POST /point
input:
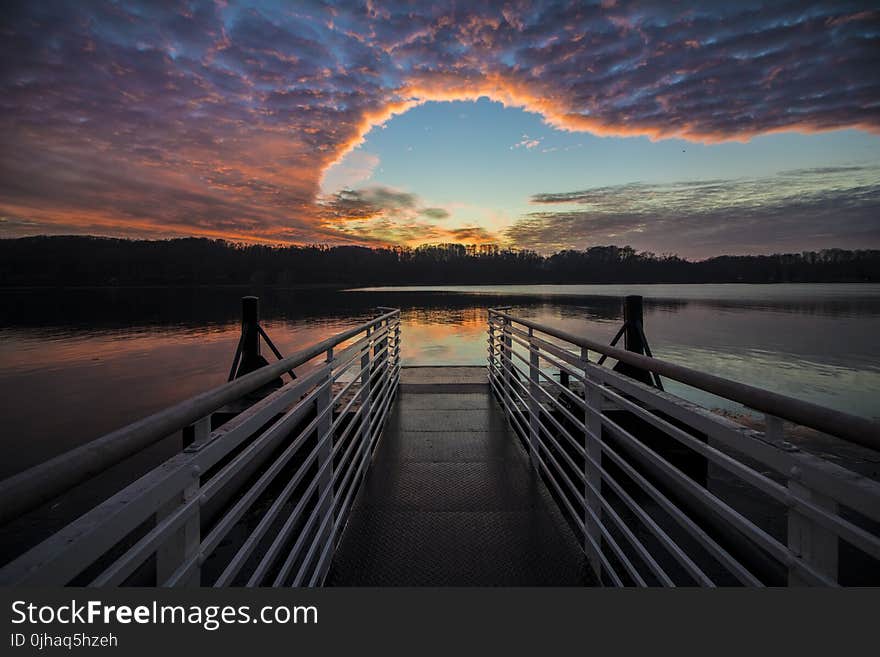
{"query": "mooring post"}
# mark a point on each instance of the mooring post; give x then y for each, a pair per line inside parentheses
(248, 357)
(251, 359)
(633, 338)
(633, 320)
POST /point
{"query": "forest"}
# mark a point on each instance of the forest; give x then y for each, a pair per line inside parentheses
(102, 261)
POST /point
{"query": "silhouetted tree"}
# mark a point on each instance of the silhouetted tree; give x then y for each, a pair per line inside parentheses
(99, 261)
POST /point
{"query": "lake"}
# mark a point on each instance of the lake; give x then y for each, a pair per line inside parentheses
(77, 363)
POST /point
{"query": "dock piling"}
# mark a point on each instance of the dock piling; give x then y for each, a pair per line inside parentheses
(634, 338)
(251, 358)
(633, 320)
(247, 354)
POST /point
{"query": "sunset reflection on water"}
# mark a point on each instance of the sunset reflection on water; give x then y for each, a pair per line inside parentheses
(451, 337)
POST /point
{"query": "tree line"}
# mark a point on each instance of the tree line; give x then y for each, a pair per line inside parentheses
(101, 261)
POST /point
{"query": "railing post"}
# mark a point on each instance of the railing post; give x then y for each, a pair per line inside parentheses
(564, 379)
(491, 343)
(194, 435)
(807, 540)
(379, 361)
(383, 345)
(383, 365)
(325, 453)
(592, 472)
(534, 404)
(396, 362)
(366, 393)
(507, 363)
(185, 542)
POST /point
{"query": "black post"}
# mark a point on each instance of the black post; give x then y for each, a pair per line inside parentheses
(250, 319)
(633, 330)
(247, 359)
(251, 358)
(633, 319)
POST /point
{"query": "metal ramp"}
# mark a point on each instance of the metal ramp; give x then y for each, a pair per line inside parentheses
(451, 498)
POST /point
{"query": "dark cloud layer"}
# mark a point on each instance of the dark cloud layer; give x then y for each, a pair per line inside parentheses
(377, 201)
(802, 209)
(219, 118)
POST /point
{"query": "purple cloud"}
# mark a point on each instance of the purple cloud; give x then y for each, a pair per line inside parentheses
(220, 118)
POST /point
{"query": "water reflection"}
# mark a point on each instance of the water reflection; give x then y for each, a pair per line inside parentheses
(452, 337)
(77, 363)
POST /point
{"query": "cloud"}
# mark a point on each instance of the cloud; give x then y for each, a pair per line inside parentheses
(473, 234)
(210, 118)
(354, 169)
(799, 209)
(348, 204)
(12, 223)
(435, 213)
(527, 142)
(390, 216)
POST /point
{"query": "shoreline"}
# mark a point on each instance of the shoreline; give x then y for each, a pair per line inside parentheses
(426, 287)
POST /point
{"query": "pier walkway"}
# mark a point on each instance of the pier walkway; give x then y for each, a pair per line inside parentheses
(335, 465)
(451, 499)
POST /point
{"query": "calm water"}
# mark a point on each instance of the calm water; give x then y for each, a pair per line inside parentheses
(77, 363)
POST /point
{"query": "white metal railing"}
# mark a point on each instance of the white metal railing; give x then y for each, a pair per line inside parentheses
(630, 465)
(260, 500)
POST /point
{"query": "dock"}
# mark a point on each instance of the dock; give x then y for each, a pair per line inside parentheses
(559, 462)
(451, 499)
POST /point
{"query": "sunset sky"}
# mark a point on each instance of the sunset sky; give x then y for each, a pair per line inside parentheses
(694, 128)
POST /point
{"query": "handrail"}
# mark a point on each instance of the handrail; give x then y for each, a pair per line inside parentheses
(29, 489)
(627, 462)
(856, 429)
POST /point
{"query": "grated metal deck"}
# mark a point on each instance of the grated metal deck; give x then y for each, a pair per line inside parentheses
(451, 500)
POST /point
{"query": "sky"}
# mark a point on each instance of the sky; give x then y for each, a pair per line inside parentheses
(690, 128)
